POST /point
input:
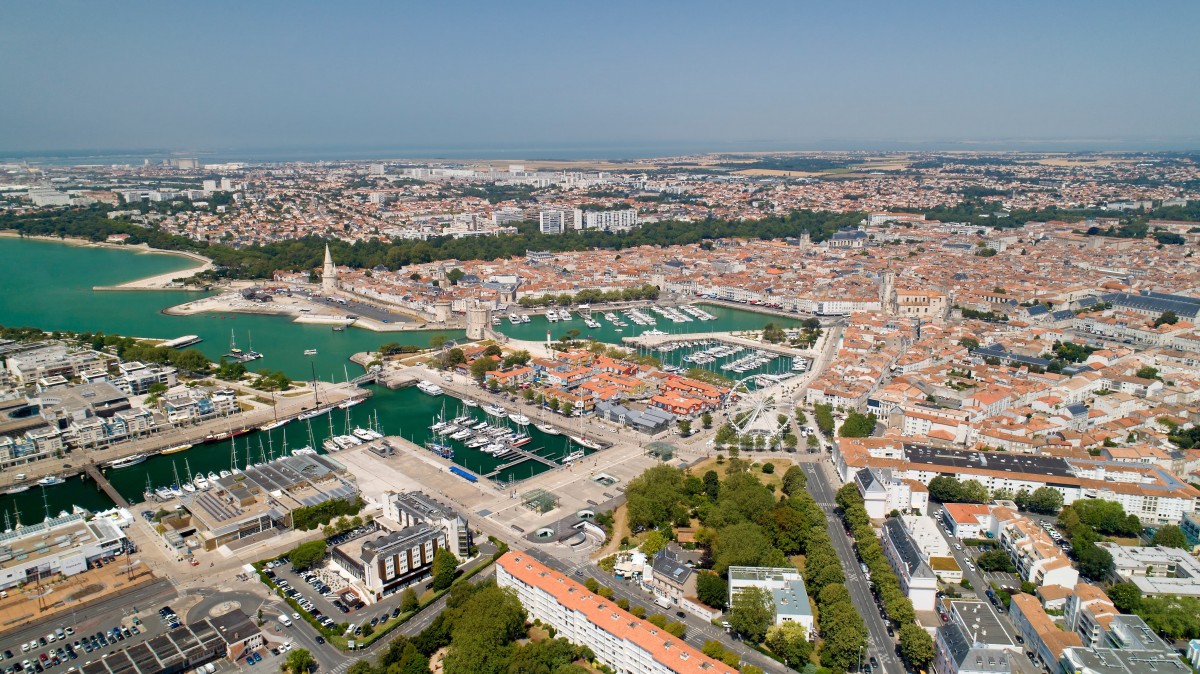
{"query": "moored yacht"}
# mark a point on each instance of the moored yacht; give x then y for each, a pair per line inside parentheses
(430, 388)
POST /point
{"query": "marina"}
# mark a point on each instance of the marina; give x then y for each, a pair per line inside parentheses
(69, 287)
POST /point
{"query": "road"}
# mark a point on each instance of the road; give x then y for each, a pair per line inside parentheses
(103, 614)
(879, 643)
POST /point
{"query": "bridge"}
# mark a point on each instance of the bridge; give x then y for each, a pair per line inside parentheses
(105, 485)
(525, 455)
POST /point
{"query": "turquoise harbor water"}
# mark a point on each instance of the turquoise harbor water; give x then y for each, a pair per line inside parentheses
(49, 285)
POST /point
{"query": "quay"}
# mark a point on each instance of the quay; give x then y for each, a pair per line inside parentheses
(94, 473)
(525, 456)
(651, 341)
(167, 437)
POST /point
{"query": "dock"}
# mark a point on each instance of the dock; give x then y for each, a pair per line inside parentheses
(525, 455)
(105, 485)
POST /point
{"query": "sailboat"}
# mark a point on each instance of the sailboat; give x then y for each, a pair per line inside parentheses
(187, 485)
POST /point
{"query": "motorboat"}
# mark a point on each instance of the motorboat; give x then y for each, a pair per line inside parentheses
(330, 446)
(310, 352)
(162, 493)
(496, 411)
(50, 481)
(177, 448)
(461, 435)
(572, 457)
(200, 482)
(469, 403)
(519, 419)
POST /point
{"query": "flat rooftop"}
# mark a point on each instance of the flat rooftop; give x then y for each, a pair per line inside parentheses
(1002, 461)
(53, 537)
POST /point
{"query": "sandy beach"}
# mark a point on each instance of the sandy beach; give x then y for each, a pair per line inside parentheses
(159, 282)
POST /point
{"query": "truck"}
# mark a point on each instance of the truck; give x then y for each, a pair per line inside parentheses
(662, 601)
(287, 622)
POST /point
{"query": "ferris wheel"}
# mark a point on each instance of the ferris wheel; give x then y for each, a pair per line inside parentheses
(757, 408)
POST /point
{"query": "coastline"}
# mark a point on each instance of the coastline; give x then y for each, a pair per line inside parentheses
(156, 282)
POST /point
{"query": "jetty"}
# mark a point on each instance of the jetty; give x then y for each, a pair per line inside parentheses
(525, 455)
(105, 485)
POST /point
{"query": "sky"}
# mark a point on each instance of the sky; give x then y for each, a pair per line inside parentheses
(625, 78)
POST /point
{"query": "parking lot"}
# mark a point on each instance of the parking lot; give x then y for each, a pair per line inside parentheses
(328, 597)
(73, 644)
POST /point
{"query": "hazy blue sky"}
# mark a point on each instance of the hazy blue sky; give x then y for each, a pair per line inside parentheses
(210, 75)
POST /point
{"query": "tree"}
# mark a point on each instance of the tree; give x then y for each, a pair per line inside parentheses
(1171, 536)
(437, 341)
(685, 427)
(408, 600)
(306, 555)
(521, 357)
(768, 468)
(1147, 372)
(726, 435)
(654, 542)
(823, 413)
(1094, 562)
(712, 589)
(857, 425)
(753, 611)
(744, 544)
(973, 491)
(1167, 317)
(969, 342)
(483, 631)
(945, 489)
(483, 365)
(916, 646)
(1043, 500)
(654, 498)
(444, 566)
(591, 584)
(712, 485)
(996, 560)
(706, 420)
(1126, 597)
(299, 661)
(790, 642)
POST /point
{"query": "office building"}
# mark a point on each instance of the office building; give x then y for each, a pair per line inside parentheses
(1156, 569)
(416, 507)
(619, 640)
(392, 561)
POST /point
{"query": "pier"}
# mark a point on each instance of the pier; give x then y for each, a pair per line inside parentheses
(105, 485)
(525, 455)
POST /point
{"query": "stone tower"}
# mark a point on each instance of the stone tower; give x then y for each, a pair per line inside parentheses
(479, 321)
(887, 293)
(329, 273)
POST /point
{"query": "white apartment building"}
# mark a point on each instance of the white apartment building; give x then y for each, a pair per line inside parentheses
(1039, 560)
(609, 221)
(625, 643)
(786, 587)
(1156, 569)
(552, 221)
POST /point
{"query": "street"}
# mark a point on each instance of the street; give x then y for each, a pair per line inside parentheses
(879, 643)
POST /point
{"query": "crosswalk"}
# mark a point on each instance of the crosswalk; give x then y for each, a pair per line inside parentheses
(340, 669)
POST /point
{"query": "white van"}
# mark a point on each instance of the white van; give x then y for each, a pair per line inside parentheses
(287, 622)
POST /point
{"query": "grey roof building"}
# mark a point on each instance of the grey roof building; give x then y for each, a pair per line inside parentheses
(955, 652)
